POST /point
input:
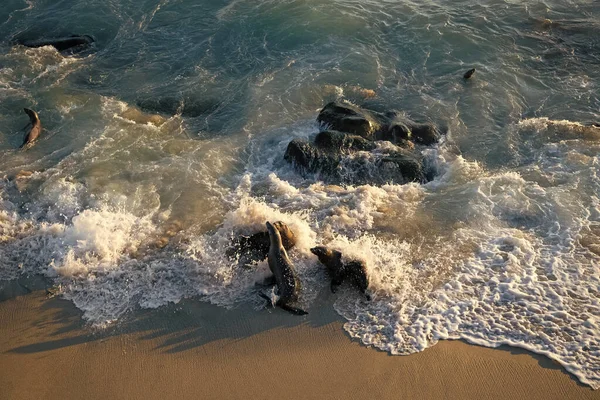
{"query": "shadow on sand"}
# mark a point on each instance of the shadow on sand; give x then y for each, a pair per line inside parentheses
(177, 327)
(193, 323)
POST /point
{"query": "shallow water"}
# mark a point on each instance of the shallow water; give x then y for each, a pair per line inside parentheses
(166, 140)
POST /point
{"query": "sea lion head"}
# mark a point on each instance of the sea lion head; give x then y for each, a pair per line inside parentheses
(288, 238)
(32, 114)
(326, 256)
(273, 234)
(270, 228)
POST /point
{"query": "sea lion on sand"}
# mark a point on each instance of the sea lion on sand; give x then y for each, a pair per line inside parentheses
(469, 73)
(288, 284)
(256, 247)
(353, 270)
(34, 132)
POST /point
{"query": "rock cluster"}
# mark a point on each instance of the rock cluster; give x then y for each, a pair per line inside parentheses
(364, 147)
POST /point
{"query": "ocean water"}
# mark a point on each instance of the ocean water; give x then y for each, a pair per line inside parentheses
(165, 140)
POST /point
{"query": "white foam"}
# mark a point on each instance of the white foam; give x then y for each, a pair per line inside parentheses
(563, 129)
(526, 281)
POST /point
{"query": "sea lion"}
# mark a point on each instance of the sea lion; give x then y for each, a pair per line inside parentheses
(332, 259)
(355, 271)
(256, 247)
(63, 43)
(469, 73)
(288, 284)
(34, 132)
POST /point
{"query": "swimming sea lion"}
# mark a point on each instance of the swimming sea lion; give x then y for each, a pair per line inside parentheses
(34, 132)
(469, 73)
(354, 270)
(256, 247)
(288, 284)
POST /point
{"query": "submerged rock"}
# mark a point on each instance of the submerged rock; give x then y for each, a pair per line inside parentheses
(187, 106)
(341, 158)
(136, 115)
(308, 158)
(335, 141)
(72, 43)
(399, 128)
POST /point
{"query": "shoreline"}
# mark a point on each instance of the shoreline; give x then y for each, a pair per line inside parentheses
(197, 350)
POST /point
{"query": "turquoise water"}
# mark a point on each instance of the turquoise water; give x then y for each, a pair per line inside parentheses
(166, 139)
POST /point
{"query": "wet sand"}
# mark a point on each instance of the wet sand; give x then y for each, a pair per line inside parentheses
(198, 351)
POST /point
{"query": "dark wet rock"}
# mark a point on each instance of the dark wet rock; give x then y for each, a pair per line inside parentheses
(72, 43)
(335, 141)
(402, 164)
(308, 158)
(346, 117)
(256, 246)
(364, 147)
(392, 126)
(394, 167)
(351, 166)
(426, 134)
(398, 129)
(395, 132)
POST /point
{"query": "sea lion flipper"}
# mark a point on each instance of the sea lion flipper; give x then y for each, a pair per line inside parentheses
(267, 298)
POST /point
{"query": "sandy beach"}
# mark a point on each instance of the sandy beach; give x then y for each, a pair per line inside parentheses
(198, 351)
